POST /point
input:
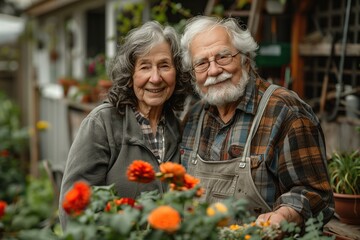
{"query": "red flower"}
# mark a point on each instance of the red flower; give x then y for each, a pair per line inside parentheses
(172, 172)
(119, 202)
(140, 171)
(125, 201)
(77, 199)
(190, 181)
(3, 206)
(165, 218)
(4, 153)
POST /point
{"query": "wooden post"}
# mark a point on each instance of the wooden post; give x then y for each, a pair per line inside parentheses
(297, 34)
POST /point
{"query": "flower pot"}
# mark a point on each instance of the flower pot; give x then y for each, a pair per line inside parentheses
(347, 206)
(66, 84)
(104, 85)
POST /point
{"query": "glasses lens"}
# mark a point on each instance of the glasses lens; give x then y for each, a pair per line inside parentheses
(201, 67)
(223, 59)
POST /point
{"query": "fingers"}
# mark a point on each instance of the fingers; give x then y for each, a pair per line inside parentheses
(270, 217)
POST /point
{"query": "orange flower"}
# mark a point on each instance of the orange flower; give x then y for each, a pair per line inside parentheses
(77, 199)
(119, 202)
(3, 206)
(140, 171)
(172, 172)
(234, 227)
(165, 218)
(190, 182)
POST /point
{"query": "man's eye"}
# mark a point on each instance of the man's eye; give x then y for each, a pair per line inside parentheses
(201, 64)
(222, 56)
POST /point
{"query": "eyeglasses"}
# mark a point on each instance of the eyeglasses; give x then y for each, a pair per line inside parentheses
(220, 59)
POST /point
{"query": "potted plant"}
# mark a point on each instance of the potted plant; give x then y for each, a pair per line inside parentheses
(344, 171)
(67, 83)
(96, 70)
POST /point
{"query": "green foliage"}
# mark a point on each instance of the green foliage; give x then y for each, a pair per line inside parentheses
(131, 15)
(13, 141)
(13, 137)
(161, 10)
(344, 170)
(29, 215)
(131, 222)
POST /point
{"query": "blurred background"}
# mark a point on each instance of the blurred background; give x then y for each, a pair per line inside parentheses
(53, 56)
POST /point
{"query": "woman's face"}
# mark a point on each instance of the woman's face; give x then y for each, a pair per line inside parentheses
(154, 77)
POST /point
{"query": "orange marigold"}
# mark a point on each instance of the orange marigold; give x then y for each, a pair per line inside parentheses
(140, 171)
(165, 218)
(172, 172)
(77, 199)
(3, 206)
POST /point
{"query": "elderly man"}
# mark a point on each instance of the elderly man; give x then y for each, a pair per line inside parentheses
(248, 138)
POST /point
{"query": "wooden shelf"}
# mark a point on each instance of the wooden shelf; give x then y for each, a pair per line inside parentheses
(324, 49)
(237, 13)
(341, 230)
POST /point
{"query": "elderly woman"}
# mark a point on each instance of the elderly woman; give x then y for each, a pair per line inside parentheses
(138, 120)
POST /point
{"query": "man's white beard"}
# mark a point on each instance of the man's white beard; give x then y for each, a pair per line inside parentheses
(227, 92)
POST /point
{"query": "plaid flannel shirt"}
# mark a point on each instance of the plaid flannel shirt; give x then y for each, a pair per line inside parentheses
(288, 156)
(156, 141)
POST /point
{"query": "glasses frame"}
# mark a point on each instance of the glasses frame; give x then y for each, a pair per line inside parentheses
(229, 56)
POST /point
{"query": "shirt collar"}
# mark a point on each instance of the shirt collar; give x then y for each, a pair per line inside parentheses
(142, 120)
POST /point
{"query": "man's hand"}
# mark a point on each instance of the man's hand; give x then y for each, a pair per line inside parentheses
(283, 213)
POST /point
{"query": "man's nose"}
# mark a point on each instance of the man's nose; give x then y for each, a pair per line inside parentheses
(214, 69)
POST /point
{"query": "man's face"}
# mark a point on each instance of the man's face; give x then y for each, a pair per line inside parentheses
(219, 84)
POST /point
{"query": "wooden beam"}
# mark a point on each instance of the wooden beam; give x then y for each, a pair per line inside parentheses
(46, 6)
(324, 49)
(297, 64)
(298, 32)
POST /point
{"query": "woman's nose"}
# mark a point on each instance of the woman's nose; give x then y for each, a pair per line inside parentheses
(155, 75)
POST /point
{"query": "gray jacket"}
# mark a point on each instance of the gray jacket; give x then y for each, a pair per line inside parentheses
(106, 144)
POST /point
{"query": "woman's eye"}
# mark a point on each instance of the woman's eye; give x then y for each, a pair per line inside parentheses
(144, 67)
(165, 66)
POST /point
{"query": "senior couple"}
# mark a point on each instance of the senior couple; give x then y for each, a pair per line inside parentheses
(244, 138)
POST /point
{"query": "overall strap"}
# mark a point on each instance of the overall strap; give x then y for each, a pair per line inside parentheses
(198, 131)
(259, 113)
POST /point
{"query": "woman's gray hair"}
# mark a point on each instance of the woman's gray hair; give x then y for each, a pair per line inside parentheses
(241, 38)
(139, 42)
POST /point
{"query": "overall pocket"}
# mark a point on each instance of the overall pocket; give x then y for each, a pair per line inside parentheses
(217, 187)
